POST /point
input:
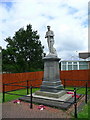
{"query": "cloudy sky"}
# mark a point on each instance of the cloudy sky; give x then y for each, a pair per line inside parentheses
(67, 18)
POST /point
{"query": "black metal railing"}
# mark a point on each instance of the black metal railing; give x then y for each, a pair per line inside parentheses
(31, 96)
(11, 84)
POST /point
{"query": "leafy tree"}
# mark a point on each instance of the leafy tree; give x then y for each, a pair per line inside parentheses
(23, 52)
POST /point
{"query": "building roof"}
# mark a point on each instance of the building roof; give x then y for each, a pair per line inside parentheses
(75, 59)
(84, 55)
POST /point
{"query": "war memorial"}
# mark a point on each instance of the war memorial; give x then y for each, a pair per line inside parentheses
(51, 91)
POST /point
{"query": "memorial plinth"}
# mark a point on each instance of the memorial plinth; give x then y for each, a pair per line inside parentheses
(51, 81)
(51, 85)
(51, 91)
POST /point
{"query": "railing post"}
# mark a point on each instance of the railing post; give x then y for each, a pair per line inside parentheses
(75, 103)
(64, 83)
(31, 97)
(27, 88)
(86, 95)
(3, 99)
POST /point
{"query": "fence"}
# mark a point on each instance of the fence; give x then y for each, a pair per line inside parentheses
(74, 78)
(32, 77)
(31, 96)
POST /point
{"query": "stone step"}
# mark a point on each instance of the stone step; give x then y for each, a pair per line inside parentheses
(50, 94)
(65, 97)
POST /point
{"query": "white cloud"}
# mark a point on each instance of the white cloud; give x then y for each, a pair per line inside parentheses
(68, 20)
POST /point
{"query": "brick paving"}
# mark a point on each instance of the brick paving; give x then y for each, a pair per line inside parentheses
(22, 110)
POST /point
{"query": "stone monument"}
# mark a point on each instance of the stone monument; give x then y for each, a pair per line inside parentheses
(51, 91)
(51, 80)
(51, 85)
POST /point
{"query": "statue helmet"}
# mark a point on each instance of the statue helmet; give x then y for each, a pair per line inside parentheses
(48, 26)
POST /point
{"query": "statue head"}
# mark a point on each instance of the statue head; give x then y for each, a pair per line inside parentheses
(48, 27)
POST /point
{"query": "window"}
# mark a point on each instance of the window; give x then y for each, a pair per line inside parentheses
(70, 63)
(69, 67)
(64, 63)
(83, 65)
(63, 67)
(75, 63)
(75, 67)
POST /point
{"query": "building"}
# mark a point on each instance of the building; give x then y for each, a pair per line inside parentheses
(75, 64)
(85, 55)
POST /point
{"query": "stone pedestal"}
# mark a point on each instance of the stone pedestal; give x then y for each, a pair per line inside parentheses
(51, 81)
(51, 92)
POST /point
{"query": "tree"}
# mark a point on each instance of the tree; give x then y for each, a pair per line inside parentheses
(23, 52)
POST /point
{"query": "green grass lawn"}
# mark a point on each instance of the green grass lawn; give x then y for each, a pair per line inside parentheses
(85, 112)
(9, 97)
(0, 97)
(80, 91)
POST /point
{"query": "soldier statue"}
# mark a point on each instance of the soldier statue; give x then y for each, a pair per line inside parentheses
(50, 40)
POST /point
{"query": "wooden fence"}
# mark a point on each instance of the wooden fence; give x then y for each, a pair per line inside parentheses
(75, 77)
(69, 78)
(34, 78)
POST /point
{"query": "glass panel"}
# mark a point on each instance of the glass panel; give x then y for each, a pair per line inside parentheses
(75, 67)
(83, 63)
(70, 63)
(82, 67)
(75, 63)
(63, 62)
(69, 67)
(63, 67)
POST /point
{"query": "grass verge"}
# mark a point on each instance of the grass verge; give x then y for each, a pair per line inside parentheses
(9, 97)
(80, 91)
(84, 113)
